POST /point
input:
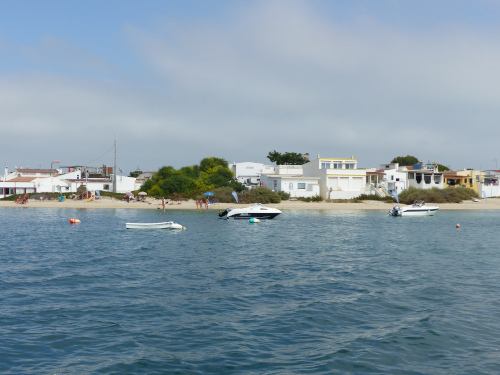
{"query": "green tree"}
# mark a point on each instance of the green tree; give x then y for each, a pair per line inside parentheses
(190, 181)
(405, 160)
(155, 191)
(442, 168)
(135, 173)
(163, 173)
(179, 184)
(148, 185)
(220, 176)
(212, 162)
(287, 158)
(191, 172)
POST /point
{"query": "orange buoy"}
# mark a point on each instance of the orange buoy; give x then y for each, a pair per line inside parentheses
(458, 225)
(74, 221)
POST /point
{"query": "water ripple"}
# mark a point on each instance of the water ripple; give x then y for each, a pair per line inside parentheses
(330, 292)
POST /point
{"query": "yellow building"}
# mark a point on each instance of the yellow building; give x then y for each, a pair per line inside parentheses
(466, 178)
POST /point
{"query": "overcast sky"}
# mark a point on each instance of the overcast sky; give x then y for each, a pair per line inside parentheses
(176, 81)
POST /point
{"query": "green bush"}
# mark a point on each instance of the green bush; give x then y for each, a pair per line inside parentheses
(316, 198)
(284, 195)
(373, 197)
(436, 195)
(259, 195)
(222, 194)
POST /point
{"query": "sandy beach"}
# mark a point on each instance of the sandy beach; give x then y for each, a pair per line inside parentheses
(153, 204)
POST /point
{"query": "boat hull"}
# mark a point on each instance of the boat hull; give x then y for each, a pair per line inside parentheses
(255, 211)
(429, 211)
(252, 215)
(417, 209)
(163, 225)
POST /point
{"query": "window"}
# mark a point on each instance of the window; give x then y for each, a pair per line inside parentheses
(337, 166)
(325, 165)
(290, 186)
(105, 187)
(349, 166)
(301, 185)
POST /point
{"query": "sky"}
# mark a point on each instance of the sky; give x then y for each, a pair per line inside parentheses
(174, 81)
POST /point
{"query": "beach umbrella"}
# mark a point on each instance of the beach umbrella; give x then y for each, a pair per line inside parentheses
(209, 193)
(129, 194)
(143, 193)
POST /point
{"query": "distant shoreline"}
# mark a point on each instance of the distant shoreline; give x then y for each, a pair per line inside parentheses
(110, 203)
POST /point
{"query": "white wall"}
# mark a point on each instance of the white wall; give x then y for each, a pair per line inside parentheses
(290, 185)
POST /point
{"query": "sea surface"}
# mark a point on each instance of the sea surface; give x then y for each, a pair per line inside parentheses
(310, 292)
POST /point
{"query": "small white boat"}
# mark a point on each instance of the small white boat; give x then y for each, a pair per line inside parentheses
(418, 208)
(163, 225)
(256, 211)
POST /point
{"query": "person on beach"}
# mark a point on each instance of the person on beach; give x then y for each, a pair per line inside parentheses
(206, 204)
(26, 197)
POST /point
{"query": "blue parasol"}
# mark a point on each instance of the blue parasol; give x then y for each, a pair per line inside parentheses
(209, 193)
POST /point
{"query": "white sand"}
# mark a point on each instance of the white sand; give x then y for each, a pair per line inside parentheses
(106, 202)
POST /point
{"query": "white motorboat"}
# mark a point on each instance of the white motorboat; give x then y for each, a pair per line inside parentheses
(163, 225)
(418, 208)
(256, 210)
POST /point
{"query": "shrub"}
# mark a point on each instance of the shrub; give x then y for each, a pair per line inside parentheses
(316, 198)
(284, 195)
(222, 194)
(373, 197)
(156, 191)
(260, 195)
(436, 195)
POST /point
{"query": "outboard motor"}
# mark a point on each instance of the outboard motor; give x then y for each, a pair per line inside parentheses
(394, 211)
(225, 212)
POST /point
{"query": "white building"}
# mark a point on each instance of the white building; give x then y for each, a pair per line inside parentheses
(388, 179)
(31, 181)
(290, 179)
(423, 176)
(248, 173)
(392, 178)
(338, 178)
(490, 184)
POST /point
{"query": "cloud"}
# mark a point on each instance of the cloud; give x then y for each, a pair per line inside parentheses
(287, 75)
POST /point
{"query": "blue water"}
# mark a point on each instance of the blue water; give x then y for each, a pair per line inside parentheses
(311, 292)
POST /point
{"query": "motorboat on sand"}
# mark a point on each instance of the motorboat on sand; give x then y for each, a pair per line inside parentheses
(418, 208)
(256, 210)
(163, 225)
